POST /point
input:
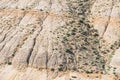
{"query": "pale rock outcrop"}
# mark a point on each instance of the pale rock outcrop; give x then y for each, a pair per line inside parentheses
(115, 62)
(105, 15)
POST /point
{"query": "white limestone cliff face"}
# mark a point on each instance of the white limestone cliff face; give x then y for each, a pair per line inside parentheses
(106, 19)
(28, 42)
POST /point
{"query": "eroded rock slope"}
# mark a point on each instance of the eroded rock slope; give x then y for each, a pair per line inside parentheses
(59, 39)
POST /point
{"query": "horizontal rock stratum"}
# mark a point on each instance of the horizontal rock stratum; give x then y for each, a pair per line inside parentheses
(59, 39)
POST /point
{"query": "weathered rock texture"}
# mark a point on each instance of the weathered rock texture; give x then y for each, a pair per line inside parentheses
(59, 39)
